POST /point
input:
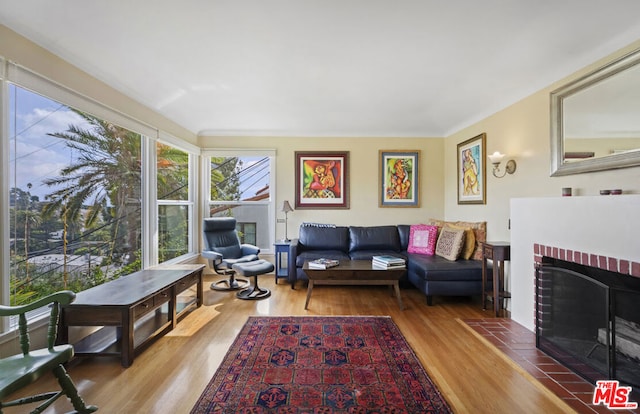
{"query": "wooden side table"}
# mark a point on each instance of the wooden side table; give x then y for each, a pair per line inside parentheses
(281, 248)
(498, 252)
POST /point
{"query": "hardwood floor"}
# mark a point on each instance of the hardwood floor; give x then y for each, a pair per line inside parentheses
(169, 376)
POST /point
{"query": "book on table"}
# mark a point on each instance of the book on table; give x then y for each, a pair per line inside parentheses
(386, 262)
(380, 266)
(323, 263)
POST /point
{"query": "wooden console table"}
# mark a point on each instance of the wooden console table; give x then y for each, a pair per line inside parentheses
(498, 252)
(133, 311)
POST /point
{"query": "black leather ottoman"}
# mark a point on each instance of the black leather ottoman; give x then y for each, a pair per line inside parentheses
(254, 268)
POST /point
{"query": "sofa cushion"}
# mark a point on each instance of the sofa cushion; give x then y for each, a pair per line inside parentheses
(436, 222)
(323, 238)
(374, 238)
(480, 233)
(422, 239)
(450, 243)
(403, 232)
(368, 254)
(433, 268)
(469, 241)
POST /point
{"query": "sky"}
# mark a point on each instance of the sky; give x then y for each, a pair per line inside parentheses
(36, 156)
(39, 156)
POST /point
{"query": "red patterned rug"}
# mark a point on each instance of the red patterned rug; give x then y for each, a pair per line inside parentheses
(320, 365)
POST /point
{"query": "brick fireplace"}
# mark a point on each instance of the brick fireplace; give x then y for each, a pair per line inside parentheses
(587, 315)
(614, 264)
(599, 231)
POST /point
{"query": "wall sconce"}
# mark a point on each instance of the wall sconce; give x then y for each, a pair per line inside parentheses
(286, 208)
(496, 159)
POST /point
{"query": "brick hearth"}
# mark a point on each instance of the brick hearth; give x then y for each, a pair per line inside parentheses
(519, 344)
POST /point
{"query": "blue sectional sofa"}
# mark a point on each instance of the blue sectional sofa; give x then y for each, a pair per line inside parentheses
(432, 275)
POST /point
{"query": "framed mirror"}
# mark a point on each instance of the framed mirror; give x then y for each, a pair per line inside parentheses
(595, 120)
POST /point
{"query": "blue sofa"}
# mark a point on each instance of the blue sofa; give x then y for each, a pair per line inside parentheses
(432, 275)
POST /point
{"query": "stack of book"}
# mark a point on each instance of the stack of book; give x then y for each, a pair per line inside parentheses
(323, 263)
(387, 262)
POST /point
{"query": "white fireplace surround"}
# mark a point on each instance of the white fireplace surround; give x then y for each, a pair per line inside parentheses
(606, 228)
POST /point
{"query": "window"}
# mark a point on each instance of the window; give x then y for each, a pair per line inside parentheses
(78, 185)
(175, 202)
(247, 232)
(74, 197)
(240, 184)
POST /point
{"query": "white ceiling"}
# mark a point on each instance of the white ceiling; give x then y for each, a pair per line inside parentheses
(327, 67)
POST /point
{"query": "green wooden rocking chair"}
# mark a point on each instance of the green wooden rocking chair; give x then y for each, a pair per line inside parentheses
(21, 370)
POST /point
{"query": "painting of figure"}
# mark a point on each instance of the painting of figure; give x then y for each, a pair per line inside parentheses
(472, 171)
(399, 179)
(321, 180)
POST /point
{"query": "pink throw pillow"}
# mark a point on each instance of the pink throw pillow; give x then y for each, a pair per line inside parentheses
(423, 239)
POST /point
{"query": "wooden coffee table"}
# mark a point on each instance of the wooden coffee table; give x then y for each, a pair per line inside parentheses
(354, 272)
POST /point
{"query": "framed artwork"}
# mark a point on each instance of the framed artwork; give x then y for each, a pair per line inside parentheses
(322, 180)
(399, 174)
(472, 170)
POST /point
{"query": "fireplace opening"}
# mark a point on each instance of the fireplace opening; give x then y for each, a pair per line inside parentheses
(589, 320)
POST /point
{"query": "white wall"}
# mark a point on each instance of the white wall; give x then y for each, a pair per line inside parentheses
(363, 177)
(21, 51)
(602, 225)
(522, 131)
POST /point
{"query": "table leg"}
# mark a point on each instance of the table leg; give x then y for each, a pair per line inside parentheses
(63, 330)
(200, 292)
(496, 287)
(126, 341)
(484, 283)
(172, 304)
(309, 289)
(396, 287)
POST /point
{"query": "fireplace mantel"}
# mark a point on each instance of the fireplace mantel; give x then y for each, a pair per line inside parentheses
(603, 226)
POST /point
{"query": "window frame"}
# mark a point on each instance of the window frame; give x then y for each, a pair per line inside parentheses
(270, 202)
(21, 77)
(190, 203)
(5, 290)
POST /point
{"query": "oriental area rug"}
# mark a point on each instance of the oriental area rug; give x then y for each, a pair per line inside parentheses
(319, 364)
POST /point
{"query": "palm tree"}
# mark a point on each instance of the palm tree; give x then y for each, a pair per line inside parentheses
(29, 218)
(104, 178)
(173, 173)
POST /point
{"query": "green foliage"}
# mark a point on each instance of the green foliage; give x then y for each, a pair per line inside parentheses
(104, 179)
(173, 232)
(129, 268)
(95, 202)
(51, 282)
(20, 296)
(225, 181)
(172, 173)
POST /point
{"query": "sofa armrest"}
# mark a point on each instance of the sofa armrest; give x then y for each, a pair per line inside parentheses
(248, 249)
(291, 262)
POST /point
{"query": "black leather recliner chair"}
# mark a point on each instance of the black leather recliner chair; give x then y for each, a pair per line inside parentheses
(223, 249)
